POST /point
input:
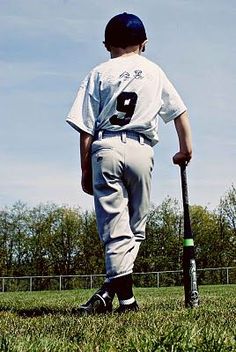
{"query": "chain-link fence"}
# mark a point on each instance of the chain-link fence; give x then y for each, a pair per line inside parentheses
(207, 276)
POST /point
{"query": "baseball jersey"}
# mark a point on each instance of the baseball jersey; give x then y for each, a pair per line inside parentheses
(125, 93)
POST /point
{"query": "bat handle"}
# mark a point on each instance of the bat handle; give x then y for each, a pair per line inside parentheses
(183, 172)
(183, 165)
(184, 183)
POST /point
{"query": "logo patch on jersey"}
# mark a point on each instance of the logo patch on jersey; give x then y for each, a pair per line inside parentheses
(137, 74)
(125, 75)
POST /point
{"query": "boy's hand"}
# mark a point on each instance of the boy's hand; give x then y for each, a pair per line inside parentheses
(86, 166)
(86, 182)
(185, 140)
(181, 158)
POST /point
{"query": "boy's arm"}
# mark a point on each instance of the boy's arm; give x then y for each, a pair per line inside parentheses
(86, 140)
(183, 130)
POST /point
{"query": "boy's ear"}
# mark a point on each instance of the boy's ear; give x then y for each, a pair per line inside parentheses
(143, 46)
(107, 46)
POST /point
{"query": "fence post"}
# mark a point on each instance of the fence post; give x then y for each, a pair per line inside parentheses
(31, 283)
(60, 282)
(91, 281)
(3, 284)
(227, 276)
(158, 279)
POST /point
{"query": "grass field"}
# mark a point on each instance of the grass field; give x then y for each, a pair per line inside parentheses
(43, 321)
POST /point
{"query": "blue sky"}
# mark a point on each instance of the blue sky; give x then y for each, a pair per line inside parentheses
(46, 49)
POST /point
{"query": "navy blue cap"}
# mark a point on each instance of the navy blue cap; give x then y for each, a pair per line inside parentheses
(124, 30)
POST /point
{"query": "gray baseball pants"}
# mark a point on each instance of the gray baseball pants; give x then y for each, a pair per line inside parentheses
(122, 165)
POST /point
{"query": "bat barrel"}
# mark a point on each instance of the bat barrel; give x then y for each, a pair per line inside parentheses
(190, 278)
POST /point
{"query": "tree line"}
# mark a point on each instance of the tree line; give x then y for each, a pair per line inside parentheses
(59, 240)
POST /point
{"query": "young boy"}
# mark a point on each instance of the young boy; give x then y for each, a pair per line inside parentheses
(116, 112)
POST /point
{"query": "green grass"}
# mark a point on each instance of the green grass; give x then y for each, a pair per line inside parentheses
(42, 321)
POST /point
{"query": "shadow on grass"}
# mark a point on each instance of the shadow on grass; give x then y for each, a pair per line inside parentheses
(40, 311)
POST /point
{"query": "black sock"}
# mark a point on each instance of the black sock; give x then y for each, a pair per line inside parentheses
(124, 289)
(108, 286)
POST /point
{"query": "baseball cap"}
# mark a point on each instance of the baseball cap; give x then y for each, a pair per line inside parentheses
(124, 30)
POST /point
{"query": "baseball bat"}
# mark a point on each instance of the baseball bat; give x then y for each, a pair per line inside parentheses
(189, 263)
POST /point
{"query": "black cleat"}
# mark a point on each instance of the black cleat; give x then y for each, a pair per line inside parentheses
(99, 303)
(123, 308)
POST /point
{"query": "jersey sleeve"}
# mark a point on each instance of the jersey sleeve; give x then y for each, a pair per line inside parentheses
(85, 109)
(172, 104)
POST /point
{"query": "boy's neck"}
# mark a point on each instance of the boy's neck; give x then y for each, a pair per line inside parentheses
(130, 50)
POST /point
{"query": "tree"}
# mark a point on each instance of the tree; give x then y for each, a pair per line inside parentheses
(57, 240)
(91, 259)
(206, 236)
(227, 222)
(14, 239)
(6, 243)
(227, 208)
(63, 239)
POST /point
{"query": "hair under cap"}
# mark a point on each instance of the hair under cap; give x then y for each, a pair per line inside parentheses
(124, 30)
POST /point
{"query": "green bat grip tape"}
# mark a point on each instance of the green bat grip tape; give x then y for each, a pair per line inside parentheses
(188, 242)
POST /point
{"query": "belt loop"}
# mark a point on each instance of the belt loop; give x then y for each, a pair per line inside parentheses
(100, 135)
(123, 136)
(141, 139)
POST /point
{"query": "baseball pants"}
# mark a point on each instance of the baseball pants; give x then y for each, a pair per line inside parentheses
(122, 165)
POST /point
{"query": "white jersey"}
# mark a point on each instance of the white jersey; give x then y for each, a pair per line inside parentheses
(125, 93)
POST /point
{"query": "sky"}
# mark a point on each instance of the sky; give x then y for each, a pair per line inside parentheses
(46, 49)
